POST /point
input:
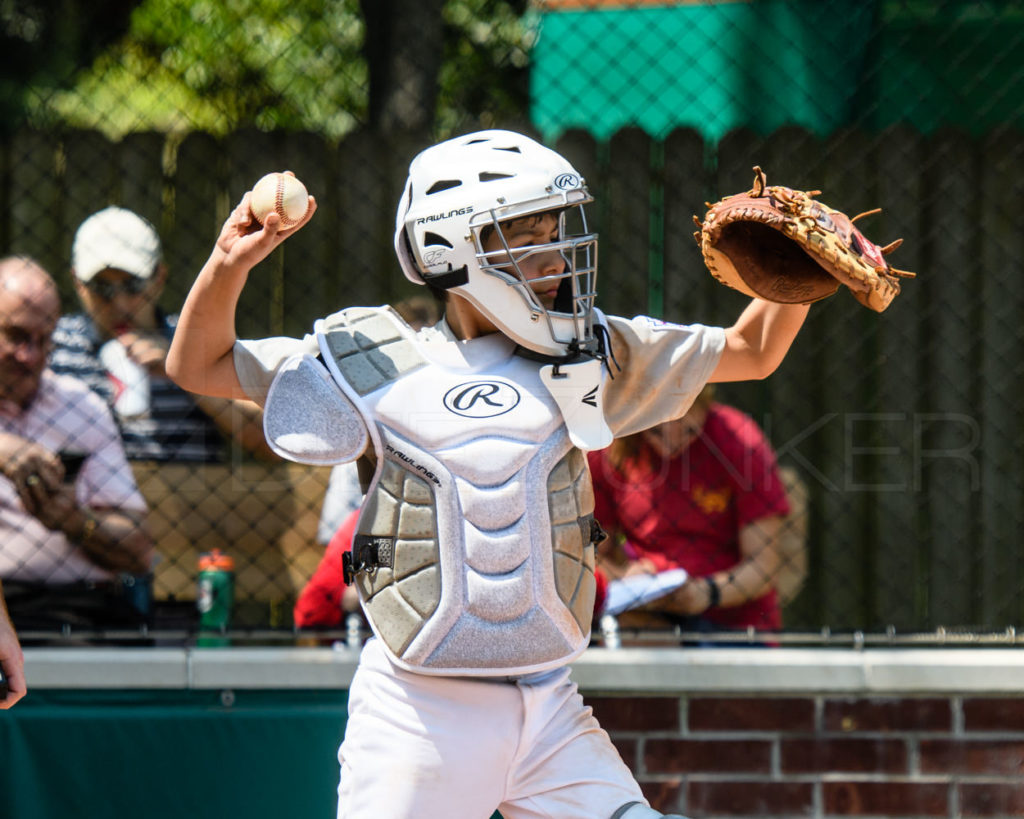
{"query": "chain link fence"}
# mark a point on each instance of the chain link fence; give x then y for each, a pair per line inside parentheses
(899, 434)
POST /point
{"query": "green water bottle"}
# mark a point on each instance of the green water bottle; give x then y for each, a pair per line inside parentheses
(216, 596)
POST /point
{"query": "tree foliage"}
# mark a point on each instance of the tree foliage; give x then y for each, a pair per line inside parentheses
(217, 65)
(44, 42)
(213, 66)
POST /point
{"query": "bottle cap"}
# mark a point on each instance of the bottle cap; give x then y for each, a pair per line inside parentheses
(216, 559)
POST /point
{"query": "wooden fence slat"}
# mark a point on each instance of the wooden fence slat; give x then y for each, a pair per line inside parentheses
(950, 419)
(900, 374)
(91, 180)
(197, 207)
(395, 154)
(35, 204)
(370, 180)
(312, 256)
(844, 330)
(583, 153)
(850, 352)
(689, 288)
(140, 166)
(999, 582)
(625, 232)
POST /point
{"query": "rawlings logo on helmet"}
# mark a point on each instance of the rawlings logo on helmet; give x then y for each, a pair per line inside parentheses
(568, 181)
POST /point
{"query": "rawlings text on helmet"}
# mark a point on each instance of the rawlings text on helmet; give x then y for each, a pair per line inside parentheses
(437, 217)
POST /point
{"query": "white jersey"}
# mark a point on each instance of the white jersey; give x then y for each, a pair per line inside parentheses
(476, 528)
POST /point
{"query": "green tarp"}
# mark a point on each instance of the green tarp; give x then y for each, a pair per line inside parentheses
(168, 755)
(172, 755)
(709, 67)
(818, 64)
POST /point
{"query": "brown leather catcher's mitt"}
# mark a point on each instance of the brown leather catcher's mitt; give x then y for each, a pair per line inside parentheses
(782, 245)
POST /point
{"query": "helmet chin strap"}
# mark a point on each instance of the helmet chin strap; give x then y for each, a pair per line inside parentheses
(576, 353)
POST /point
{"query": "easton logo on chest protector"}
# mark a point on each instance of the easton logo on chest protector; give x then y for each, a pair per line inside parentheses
(481, 399)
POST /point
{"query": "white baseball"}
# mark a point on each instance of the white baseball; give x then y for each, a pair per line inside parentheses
(282, 194)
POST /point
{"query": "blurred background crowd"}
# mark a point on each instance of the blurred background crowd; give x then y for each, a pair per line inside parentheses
(870, 490)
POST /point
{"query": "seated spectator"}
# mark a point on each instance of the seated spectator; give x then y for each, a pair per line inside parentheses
(12, 660)
(343, 496)
(65, 540)
(119, 343)
(325, 599)
(701, 493)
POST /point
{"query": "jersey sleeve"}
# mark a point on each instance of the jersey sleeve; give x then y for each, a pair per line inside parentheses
(662, 368)
(257, 361)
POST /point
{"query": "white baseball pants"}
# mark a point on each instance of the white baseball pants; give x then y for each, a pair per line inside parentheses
(427, 747)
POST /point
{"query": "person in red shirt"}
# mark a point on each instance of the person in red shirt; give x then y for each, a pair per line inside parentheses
(701, 493)
(325, 598)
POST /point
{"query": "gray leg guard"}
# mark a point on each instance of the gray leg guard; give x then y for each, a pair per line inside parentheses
(634, 810)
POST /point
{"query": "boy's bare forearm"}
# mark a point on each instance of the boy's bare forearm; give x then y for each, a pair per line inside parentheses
(759, 340)
(200, 358)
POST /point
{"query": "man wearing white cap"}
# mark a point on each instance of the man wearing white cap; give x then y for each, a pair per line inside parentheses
(119, 343)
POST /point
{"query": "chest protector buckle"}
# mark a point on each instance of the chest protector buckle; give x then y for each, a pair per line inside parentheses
(369, 553)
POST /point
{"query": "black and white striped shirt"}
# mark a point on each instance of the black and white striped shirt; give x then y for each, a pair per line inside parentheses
(175, 429)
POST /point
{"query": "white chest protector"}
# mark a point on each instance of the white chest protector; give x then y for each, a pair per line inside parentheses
(474, 550)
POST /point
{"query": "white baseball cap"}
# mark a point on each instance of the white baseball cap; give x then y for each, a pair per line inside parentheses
(118, 239)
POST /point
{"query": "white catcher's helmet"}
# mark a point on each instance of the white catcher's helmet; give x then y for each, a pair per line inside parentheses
(457, 188)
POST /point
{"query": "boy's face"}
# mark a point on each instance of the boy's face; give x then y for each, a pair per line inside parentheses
(537, 229)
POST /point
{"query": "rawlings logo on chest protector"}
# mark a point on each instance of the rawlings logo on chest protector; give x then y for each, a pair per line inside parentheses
(482, 399)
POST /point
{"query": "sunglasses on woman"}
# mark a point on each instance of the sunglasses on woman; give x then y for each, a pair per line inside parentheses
(106, 290)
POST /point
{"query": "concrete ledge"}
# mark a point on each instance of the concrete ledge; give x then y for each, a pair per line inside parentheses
(272, 667)
(801, 671)
(660, 670)
(107, 668)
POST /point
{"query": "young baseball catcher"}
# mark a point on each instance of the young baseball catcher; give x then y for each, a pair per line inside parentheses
(474, 552)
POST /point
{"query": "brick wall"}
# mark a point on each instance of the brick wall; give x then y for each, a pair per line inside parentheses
(822, 755)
